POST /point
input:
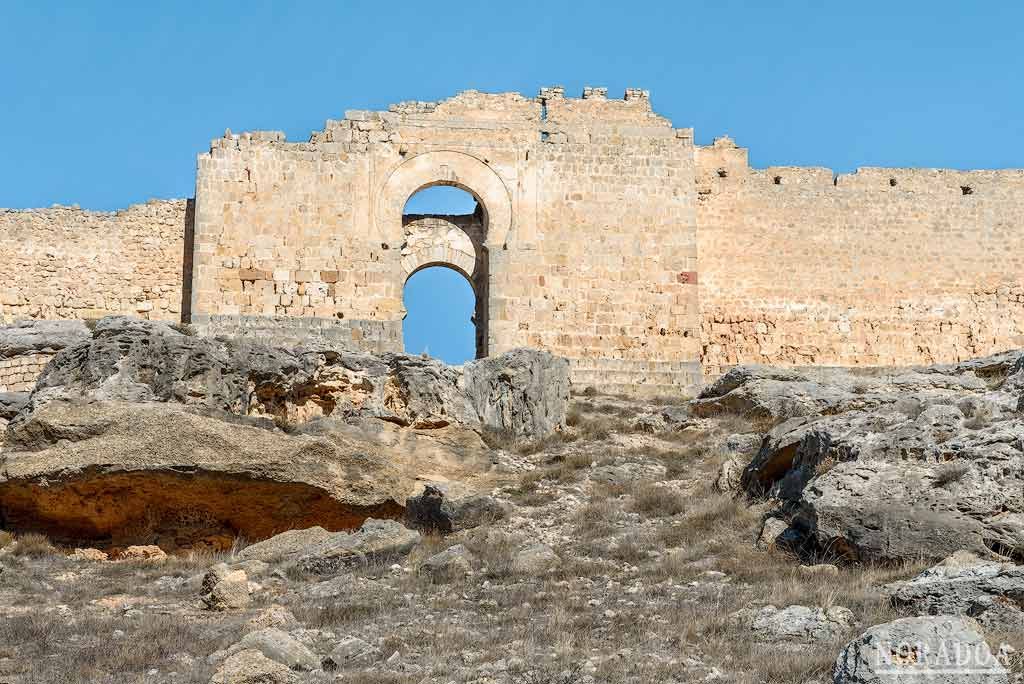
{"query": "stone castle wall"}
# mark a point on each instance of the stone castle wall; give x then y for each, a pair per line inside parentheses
(66, 263)
(573, 193)
(881, 267)
(19, 373)
(602, 234)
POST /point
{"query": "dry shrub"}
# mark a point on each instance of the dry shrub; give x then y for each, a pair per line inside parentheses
(548, 676)
(495, 553)
(33, 545)
(950, 473)
(503, 440)
(657, 501)
(6, 538)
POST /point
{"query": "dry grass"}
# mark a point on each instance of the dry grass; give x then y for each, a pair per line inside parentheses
(633, 581)
(657, 500)
(91, 647)
(33, 545)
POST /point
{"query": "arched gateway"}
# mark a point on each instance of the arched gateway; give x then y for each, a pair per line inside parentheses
(576, 246)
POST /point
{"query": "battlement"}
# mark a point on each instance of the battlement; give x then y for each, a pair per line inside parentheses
(724, 166)
(472, 109)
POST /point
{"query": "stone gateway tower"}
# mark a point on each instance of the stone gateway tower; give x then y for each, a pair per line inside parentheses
(601, 234)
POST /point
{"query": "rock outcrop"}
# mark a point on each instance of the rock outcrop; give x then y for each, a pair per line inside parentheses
(797, 625)
(225, 589)
(317, 551)
(144, 434)
(963, 584)
(40, 337)
(920, 650)
(523, 392)
(911, 464)
(251, 667)
(438, 509)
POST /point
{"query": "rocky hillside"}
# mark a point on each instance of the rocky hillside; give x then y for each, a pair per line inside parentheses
(182, 509)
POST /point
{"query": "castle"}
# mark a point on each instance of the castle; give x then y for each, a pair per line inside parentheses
(602, 234)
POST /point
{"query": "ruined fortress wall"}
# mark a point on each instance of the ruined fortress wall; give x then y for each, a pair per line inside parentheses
(576, 195)
(609, 281)
(880, 267)
(64, 262)
(602, 234)
(283, 248)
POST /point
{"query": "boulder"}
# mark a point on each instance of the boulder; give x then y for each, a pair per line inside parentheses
(797, 624)
(453, 563)
(146, 552)
(91, 555)
(280, 647)
(225, 589)
(524, 392)
(535, 559)
(287, 546)
(251, 667)
(374, 541)
(772, 534)
(963, 584)
(349, 650)
(729, 473)
(916, 464)
(94, 471)
(272, 616)
(782, 393)
(920, 650)
(438, 509)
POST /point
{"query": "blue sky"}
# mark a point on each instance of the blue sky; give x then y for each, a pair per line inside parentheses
(106, 104)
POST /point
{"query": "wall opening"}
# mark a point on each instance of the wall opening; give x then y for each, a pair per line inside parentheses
(440, 315)
(445, 258)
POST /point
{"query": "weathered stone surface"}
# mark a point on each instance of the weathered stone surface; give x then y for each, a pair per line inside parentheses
(920, 650)
(12, 403)
(797, 624)
(729, 473)
(963, 584)
(286, 546)
(913, 464)
(150, 461)
(376, 540)
(273, 616)
(92, 555)
(144, 552)
(535, 559)
(280, 647)
(251, 667)
(772, 533)
(225, 589)
(451, 564)
(42, 336)
(438, 509)
(350, 649)
(523, 392)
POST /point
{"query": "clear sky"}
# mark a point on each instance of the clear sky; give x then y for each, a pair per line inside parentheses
(107, 103)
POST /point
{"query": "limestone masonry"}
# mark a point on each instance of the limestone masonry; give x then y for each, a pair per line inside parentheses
(602, 234)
